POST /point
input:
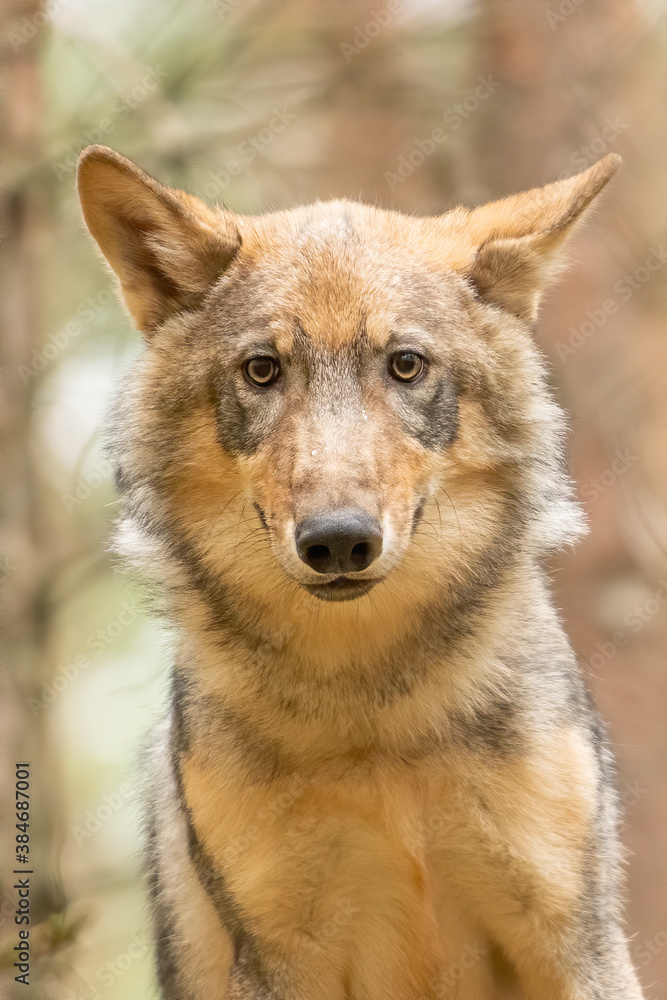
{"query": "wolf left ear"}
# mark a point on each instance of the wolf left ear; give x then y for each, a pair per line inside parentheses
(166, 247)
(516, 241)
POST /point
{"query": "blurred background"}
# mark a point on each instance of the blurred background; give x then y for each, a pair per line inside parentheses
(415, 104)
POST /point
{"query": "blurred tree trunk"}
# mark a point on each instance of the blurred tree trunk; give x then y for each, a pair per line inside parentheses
(356, 58)
(28, 549)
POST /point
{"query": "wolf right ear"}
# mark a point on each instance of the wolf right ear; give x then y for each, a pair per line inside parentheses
(517, 243)
(166, 247)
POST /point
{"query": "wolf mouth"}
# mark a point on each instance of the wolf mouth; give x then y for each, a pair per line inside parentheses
(343, 588)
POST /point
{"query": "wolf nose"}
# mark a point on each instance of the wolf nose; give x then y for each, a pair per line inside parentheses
(344, 541)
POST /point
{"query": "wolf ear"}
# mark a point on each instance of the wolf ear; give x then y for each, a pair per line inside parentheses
(517, 241)
(166, 247)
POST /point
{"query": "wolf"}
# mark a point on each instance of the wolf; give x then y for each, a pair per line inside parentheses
(380, 776)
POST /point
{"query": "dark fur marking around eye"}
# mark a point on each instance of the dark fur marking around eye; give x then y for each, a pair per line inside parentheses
(238, 433)
(434, 421)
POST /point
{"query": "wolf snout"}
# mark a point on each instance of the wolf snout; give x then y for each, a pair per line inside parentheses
(340, 541)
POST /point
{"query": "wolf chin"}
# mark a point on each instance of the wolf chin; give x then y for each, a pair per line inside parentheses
(380, 776)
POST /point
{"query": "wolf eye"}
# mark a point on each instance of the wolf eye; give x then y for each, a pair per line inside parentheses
(261, 371)
(406, 366)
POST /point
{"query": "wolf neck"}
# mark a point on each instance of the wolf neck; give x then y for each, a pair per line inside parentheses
(349, 692)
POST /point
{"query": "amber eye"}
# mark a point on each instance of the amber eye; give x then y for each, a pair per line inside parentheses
(406, 366)
(261, 371)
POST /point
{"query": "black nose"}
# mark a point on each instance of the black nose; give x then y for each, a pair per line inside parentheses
(343, 541)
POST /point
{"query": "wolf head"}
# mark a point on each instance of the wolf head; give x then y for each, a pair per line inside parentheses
(337, 399)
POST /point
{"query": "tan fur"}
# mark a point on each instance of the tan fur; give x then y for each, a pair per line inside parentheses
(403, 796)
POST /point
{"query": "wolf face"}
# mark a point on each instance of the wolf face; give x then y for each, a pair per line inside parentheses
(338, 399)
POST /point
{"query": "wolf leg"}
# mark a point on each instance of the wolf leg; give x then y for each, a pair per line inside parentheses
(539, 856)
